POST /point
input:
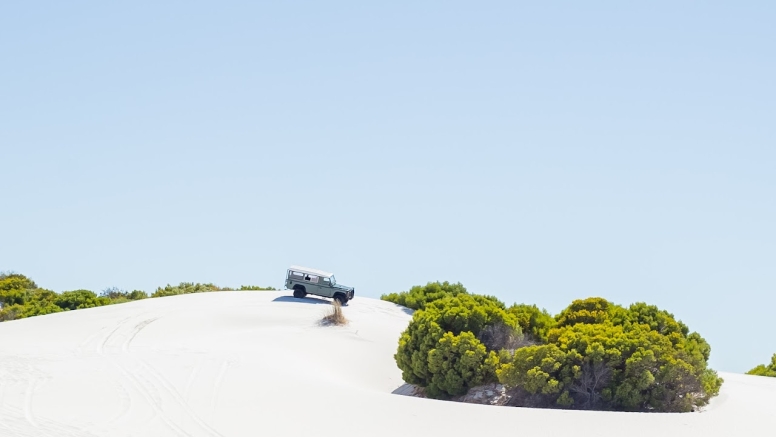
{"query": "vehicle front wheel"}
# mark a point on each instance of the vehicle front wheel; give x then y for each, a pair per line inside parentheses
(341, 298)
(299, 293)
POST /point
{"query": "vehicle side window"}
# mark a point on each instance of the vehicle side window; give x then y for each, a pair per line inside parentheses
(296, 275)
(326, 281)
(311, 278)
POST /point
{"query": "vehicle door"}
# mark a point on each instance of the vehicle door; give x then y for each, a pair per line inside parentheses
(313, 284)
(326, 287)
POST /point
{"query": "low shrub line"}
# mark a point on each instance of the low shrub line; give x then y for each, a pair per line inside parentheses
(20, 296)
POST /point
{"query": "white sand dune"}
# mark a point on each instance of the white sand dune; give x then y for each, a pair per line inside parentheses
(258, 364)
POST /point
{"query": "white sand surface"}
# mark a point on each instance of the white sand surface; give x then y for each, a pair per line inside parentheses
(257, 363)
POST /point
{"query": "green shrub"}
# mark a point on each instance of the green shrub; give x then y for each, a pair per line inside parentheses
(190, 287)
(765, 370)
(537, 369)
(20, 298)
(418, 297)
(117, 295)
(593, 355)
(604, 356)
(17, 311)
(185, 288)
(457, 363)
(447, 330)
(15, 289)
(79, 299)
(658, 320)
(533, 321)
(10, 281)
(590, 311)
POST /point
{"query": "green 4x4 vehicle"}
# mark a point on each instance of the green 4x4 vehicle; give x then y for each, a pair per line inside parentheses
(306, 281)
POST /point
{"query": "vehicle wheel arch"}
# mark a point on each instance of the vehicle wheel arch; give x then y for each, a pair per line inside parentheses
(341, 297)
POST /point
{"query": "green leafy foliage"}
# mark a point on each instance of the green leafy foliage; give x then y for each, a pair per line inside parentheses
(604, 356)
(14, 288)
(17, 311)
(593, 355)
(20, 297)
(418, 297)
(117, 295)
(765, 369)
(533, 321)
(590, 311)
(658, 320)
(440, 348)
(191, 287)
(184, 288)
(457, 363)
(79, 299)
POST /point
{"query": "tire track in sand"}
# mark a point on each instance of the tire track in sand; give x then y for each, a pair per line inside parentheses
(145, 389)
(157, 384)
(18, 417)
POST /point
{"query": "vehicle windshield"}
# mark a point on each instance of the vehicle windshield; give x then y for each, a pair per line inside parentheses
(332, 280)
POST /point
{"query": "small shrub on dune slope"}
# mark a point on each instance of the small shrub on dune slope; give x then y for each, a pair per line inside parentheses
(765, 370)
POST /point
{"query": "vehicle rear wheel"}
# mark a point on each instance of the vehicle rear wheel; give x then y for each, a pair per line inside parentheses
(299, 292)
(341, 298)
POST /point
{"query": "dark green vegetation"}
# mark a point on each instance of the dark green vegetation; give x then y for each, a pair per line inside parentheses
(765, 369)
(20, 297)
(593, 355)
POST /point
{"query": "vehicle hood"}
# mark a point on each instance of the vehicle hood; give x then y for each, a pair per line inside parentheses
(343, 287)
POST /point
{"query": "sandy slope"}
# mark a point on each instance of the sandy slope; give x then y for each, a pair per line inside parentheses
(257, 364)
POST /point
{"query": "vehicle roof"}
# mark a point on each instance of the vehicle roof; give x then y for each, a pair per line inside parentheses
(311, 271)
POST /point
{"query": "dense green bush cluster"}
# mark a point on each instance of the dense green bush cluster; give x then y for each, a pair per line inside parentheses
(604, 356)
(593, 355)
(20, 297)
(442, 348)
(765, 369)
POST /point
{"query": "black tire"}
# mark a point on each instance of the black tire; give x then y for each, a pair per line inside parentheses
(341, 298)
(299, 292)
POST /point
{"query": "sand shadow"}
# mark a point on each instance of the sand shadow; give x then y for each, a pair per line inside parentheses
(407, 390)
(307, 300)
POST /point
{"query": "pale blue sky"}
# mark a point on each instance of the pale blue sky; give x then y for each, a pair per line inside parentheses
(538, 151)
